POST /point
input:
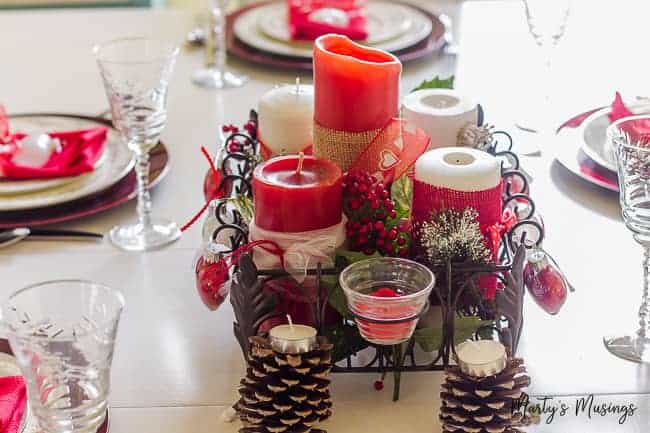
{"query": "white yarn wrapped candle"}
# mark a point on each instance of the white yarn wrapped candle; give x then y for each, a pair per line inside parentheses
(441, 113)
(286, 118)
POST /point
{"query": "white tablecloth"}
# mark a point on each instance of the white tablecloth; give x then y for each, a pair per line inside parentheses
(177, 365)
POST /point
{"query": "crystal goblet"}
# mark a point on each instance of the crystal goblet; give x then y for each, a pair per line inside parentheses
(630, 139)
(214, 74)
(62, 334)
(546, 23)
(136, 74)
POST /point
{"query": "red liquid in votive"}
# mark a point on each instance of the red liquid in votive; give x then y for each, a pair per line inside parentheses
(287, 201)
(387, 311)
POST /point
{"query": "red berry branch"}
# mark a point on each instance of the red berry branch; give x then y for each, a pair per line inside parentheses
(373, 224)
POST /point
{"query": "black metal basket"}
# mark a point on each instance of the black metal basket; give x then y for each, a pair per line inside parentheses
(506, 312)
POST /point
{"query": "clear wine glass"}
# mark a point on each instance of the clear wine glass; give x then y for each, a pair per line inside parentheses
(546, 22)
(214, 74)
(630, 139)
(63, 335)
(136, 73)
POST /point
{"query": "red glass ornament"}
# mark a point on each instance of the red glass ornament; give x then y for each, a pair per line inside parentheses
(212, 277)
(545, 282)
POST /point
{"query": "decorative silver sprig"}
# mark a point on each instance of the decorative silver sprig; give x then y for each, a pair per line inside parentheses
(455, 236)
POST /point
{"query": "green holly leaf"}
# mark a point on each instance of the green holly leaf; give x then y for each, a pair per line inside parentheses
(346, 340)
(353, 256)
(336, 297)
(437, 83)
(430, 339)
(401, 191)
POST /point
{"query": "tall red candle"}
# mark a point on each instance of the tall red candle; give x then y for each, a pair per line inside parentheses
(356, 94)
(288, 200)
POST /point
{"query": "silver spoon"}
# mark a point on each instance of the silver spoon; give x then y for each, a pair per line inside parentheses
(12, 236)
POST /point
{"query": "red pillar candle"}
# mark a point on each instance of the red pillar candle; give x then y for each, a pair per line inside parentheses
(288, 200)
(356, 95)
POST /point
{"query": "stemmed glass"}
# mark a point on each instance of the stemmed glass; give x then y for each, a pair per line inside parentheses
(214, 74)
(546, 22)
(136, 73)
(630, 138)
(63, 334)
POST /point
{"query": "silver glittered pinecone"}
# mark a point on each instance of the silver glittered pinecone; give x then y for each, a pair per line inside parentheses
(284, 393)
(484, 405)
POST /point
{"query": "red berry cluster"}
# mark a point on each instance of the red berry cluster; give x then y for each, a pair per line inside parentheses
(372, 220)
(234, 144)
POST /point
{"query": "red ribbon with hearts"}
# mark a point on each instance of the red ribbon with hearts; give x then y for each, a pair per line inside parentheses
(393, 151)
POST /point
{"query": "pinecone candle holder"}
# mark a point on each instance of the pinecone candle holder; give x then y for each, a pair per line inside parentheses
(476, 399)
(285, 392)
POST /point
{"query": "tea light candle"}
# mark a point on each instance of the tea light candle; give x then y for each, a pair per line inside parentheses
(441, 113)
(291, 200)
(293, 338)
(286, 118)
(481, 358)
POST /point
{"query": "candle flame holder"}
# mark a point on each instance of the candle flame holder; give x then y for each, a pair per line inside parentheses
(455, 281)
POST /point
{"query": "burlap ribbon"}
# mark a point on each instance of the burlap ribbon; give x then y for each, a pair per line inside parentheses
(341, 147)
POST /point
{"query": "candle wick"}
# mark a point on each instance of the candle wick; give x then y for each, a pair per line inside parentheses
(301, 160)
(290, 322)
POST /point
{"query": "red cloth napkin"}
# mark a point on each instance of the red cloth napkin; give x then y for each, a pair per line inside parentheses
(4, 124)
(13, 399)
(302, 26)
(639, 130)
(80, 151)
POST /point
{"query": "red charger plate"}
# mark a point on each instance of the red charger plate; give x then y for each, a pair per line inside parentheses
(122, 192)
(571, 157)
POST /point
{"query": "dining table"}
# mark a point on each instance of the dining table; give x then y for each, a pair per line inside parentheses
(177, 365)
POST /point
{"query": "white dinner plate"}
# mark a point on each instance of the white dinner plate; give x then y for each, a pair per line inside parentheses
(593, 132)
(117, 162)
(385, 21)
(247, 29)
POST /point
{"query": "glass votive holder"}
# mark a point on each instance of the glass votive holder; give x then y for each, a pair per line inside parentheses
(387, 297)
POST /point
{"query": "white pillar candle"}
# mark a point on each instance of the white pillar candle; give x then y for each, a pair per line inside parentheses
(293, 338)
(481, 358)
(459, 169)
(286, 118)
(441, 113)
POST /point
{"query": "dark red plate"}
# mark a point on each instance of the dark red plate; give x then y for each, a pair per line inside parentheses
(434, 42)
(5, 348)
(121, 192)
(571, 156)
